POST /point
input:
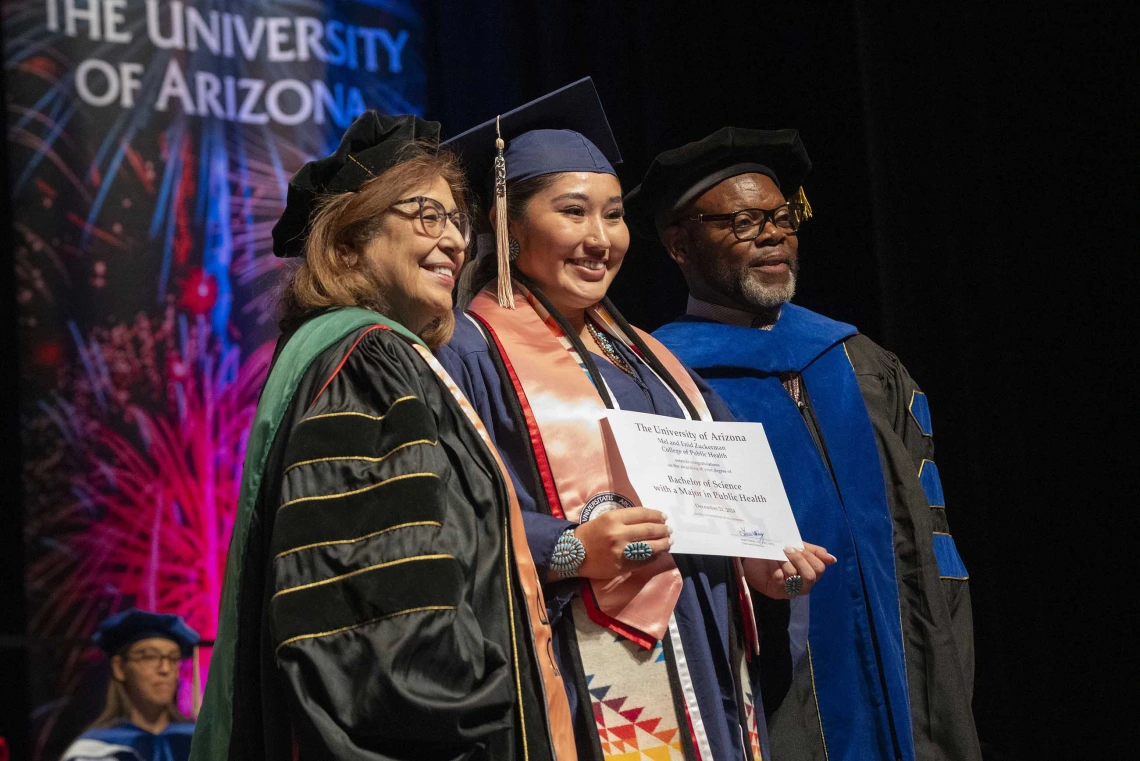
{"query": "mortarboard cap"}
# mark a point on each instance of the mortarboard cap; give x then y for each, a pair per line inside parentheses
(681, 175)
(372, 144)
(563, 131)
(129, 626)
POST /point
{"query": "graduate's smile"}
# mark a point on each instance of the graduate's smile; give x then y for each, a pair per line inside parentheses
(573, 239)
(588, 268)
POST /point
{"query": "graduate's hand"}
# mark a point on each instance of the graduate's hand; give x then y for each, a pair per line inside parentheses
(767, 576)
(606, 536)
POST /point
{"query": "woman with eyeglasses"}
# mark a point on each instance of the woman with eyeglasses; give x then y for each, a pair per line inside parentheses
(375, 604)
(140, 720)
(651, 645)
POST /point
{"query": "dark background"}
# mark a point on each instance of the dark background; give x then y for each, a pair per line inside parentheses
(975, 190)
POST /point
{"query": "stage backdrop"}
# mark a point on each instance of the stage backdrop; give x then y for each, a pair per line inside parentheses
(150, 144)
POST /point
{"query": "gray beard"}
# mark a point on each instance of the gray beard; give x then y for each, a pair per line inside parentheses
(763, 296)
(742, 289)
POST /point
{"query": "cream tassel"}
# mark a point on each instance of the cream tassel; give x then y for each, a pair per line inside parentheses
(502, 237)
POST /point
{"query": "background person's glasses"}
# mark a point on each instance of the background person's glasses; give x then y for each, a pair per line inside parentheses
(152, 660)
(747, 223)
(432, 218)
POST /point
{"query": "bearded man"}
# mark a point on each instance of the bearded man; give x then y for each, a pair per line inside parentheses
(878, 661)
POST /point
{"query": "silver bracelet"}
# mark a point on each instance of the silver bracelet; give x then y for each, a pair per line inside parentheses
(568, 556)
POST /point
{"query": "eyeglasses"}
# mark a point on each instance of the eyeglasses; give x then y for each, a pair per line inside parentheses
(432, 218)
(153, 660)
(747, 223)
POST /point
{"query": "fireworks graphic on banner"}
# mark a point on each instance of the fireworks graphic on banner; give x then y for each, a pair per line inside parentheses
(147, 285)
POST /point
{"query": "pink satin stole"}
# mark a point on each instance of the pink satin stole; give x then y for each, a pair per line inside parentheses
(577, 457)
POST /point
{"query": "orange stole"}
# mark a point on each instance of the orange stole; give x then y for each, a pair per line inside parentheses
(557, 706)
(563, 410)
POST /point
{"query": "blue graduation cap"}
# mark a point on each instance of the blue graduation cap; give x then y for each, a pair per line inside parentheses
(132, 625)
(563, 131)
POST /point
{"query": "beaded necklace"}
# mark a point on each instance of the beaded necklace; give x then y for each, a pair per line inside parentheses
(606, 345)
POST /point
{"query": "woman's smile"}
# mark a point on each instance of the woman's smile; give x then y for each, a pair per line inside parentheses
(573, 238)
(592, 270)
(442, 273)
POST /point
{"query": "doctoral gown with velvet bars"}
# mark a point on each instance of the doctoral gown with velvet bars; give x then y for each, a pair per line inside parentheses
(373, 621)
(879, 661)
(706, 611)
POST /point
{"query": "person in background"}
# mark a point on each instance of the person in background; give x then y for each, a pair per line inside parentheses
(375, 607)
(140, 719)
(653, 647)
(881, 659)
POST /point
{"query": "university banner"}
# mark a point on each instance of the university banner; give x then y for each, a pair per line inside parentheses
(150, 143)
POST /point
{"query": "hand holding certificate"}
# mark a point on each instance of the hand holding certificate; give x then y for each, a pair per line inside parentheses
(717, 483)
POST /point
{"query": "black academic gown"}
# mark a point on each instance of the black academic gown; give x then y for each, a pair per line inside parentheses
(373, 620)
(934, 591)
(878, 661)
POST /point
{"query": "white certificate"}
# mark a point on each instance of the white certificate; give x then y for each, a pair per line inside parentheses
(717, 483)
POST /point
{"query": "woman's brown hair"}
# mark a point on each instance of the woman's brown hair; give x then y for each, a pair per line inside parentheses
(117, 708)
(328, 276)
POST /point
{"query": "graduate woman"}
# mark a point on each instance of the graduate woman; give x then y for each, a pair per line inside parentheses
(374, 605)
(651, 646)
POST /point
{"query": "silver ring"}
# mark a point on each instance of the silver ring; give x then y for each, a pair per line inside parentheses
(639, 551)
(793, 585)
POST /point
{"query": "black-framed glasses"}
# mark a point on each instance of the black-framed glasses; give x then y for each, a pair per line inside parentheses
(432, 218)
(747, 223)
(151, 659)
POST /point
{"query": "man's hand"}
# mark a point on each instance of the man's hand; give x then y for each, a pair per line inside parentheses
(767, 576)
(606, 536)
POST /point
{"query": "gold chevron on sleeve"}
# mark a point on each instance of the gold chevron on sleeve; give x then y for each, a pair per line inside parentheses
(361, 458)
(366, 537)
(357, 414)
(378, 619)
(378, 566)
(361, 490)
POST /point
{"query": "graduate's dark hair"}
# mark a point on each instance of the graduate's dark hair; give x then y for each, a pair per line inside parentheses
(330, 274)
(484, 269)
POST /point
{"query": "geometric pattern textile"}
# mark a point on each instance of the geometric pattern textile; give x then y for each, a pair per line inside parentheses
(630, 692)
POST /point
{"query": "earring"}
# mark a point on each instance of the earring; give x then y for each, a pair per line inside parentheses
(513, 247)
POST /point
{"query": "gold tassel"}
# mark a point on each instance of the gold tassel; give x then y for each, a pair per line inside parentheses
(196, 685)
(502, 237)
(803, 207)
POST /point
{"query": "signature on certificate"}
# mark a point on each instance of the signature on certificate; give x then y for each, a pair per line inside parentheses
(757, 533)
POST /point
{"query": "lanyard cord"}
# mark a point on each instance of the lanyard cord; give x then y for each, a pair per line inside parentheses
(651, 359)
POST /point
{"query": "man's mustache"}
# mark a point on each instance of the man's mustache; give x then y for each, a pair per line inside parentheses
(773, 257)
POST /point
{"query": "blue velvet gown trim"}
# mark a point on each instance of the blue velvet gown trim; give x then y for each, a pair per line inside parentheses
(855, 606)
(708, 583)
(172, 744)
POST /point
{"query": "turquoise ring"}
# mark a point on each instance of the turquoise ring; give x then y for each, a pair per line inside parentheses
(639, 551)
